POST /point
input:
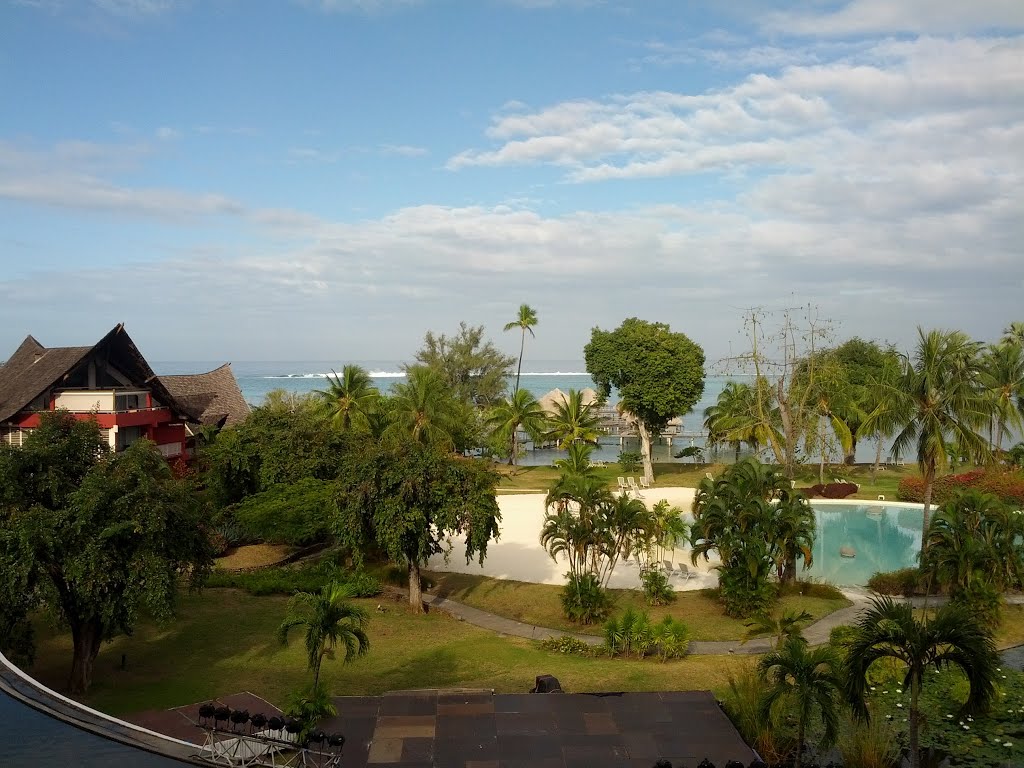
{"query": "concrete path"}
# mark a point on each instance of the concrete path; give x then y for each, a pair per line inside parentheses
(817, 633)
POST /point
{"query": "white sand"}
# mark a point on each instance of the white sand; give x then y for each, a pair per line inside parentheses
(518, 555)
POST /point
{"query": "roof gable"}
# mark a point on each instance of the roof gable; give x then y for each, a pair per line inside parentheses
(211, 398)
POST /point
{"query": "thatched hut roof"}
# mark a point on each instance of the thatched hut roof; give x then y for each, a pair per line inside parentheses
(549, 401)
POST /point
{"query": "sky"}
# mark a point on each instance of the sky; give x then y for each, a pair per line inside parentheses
(328, 179)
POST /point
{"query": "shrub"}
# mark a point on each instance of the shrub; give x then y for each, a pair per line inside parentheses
(629, 633)
(287, 513)
(584, 601)
(568, 645)
(773, 738)
(287, 580)
(672, 638)
(740, 598)
(982, 598)
(903, 582)
(871, 744)
(1008, 486)
(629, 461)
(821, 589)
(657, 590)
(309, 706)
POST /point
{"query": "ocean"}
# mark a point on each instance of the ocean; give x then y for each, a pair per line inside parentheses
(257, 378)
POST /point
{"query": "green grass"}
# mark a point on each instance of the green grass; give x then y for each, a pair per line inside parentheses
(223, 641)
(539, 604)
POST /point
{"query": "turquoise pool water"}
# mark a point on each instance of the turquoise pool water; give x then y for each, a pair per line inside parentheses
(882, 538)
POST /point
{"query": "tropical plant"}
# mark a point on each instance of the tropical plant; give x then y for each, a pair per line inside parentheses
(953, 636)
(1014, 334)
(789, 624)
(630, 461)
(658, 374)
(1015, 455)
(734, 420)
(655, 586)
(309, 706)
(577, 461)
(629, 633)
(807, 681)
(350, 398)
(330, 621)
(574, 420)
(666, 530)
(734, 515)
(424, 409)
(869, 745)
(521, 411)
(472, 368)
(672, 638)
(1003, 377)
(583, 599)
(772, 736)
(526, 320)
(938, 399)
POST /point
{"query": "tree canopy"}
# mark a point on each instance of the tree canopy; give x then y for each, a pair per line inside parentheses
(409, 500)
(99, 536)
(659, 374)
(469, 363)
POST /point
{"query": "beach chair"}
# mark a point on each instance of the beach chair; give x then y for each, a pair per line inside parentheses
(644, 484)
(633, 487)
(709, 476)
(669, 569)
(622, 485)
(686, 573)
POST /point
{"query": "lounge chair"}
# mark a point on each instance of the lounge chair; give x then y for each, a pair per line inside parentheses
(622, 485)
(634, 487)
(644, 484)
(709, 476)
(669, 568)
(686, 573)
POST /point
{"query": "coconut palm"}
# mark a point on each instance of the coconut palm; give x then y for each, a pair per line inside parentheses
(806, 679)
(577, 461)
(792, 533)
(733, 419)
(953, 636)
(350, 398)
(519, 412)
(574, 420)
(1014, 334)
(938, 399)
(1003, 377)
(789, 624)
(629, 527)
(668, 529)
(330, 621)
(424, 409)
(525, 322)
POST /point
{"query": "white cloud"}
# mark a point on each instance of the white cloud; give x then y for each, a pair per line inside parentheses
(866, 17)
(136, 7)
(166, 133)
(403, 150)
(357, 6)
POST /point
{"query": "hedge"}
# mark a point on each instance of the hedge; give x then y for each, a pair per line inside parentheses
(1007, 485)
(289, 513)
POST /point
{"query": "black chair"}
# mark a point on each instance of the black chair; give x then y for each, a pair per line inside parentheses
(547, 684)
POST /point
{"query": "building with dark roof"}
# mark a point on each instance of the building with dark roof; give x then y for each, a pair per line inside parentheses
(112, 383)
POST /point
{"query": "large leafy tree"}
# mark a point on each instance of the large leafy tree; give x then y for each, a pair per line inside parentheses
(953, 636)
(100, 536)
(521, 411)
(330, 621)
(574, 420)
(409, 500)
(659, 374)
(350, 398)
(807, 681)
(468, 363)
(861, 363)
(526, 321)
(939, 400)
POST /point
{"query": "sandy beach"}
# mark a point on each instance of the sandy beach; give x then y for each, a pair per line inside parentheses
(518, 555)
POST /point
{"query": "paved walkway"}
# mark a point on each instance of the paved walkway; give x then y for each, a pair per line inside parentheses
(816, 633)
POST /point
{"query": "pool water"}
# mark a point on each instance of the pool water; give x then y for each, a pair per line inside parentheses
(881, 538)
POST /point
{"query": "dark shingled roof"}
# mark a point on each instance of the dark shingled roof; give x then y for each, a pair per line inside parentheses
(211, 398)
(33, 369)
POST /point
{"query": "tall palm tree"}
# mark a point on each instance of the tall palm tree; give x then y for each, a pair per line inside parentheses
(577, 461)
(330, 620)
(574, 420)
(953, 636)
(808, 679)
(733, 419)
(350, 398)
(424, 409)
(1003, 377)
(1014, 334)
(520, 411)
(525, 322)
(939, 399)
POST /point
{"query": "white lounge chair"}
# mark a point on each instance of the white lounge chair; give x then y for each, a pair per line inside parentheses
(686, 573)
(634, 487)
(644, 484)
(622, 485)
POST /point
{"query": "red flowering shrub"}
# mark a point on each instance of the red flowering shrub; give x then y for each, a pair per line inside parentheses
(1008, 486)
(830, 490)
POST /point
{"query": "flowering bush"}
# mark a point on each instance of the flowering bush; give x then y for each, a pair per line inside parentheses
(1008, 486)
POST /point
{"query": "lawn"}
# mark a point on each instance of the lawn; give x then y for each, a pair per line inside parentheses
(254, 555)
(539, 604)
(520, 479)
(223, 641)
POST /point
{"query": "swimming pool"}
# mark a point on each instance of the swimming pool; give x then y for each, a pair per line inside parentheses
(880, 536)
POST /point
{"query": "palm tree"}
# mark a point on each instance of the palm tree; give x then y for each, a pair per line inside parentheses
(574, 420)
(330, 620)
(938, 399)
(789, 624)
(808, 679)
(1014, 334)
(521, 411)
(577, 461)
(954, 636)
(1003, 377)
(350, 398)
(424, 409)
(526, 320)
(733, 419)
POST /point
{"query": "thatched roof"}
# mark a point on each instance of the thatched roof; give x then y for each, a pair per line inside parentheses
(211, 398)
(549, 401)
(33, 369)
(588, 396)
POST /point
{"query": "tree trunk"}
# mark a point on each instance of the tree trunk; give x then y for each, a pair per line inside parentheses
(738, 446)
(915, 715)
(645, 449)
(929, 480)
(519, 368)
(999, 435)
(86, 637)
(788, 433)
(878, 457)
(821, 450)
(800, 735)
(415, 592)
(514, 448)
(851, 457)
